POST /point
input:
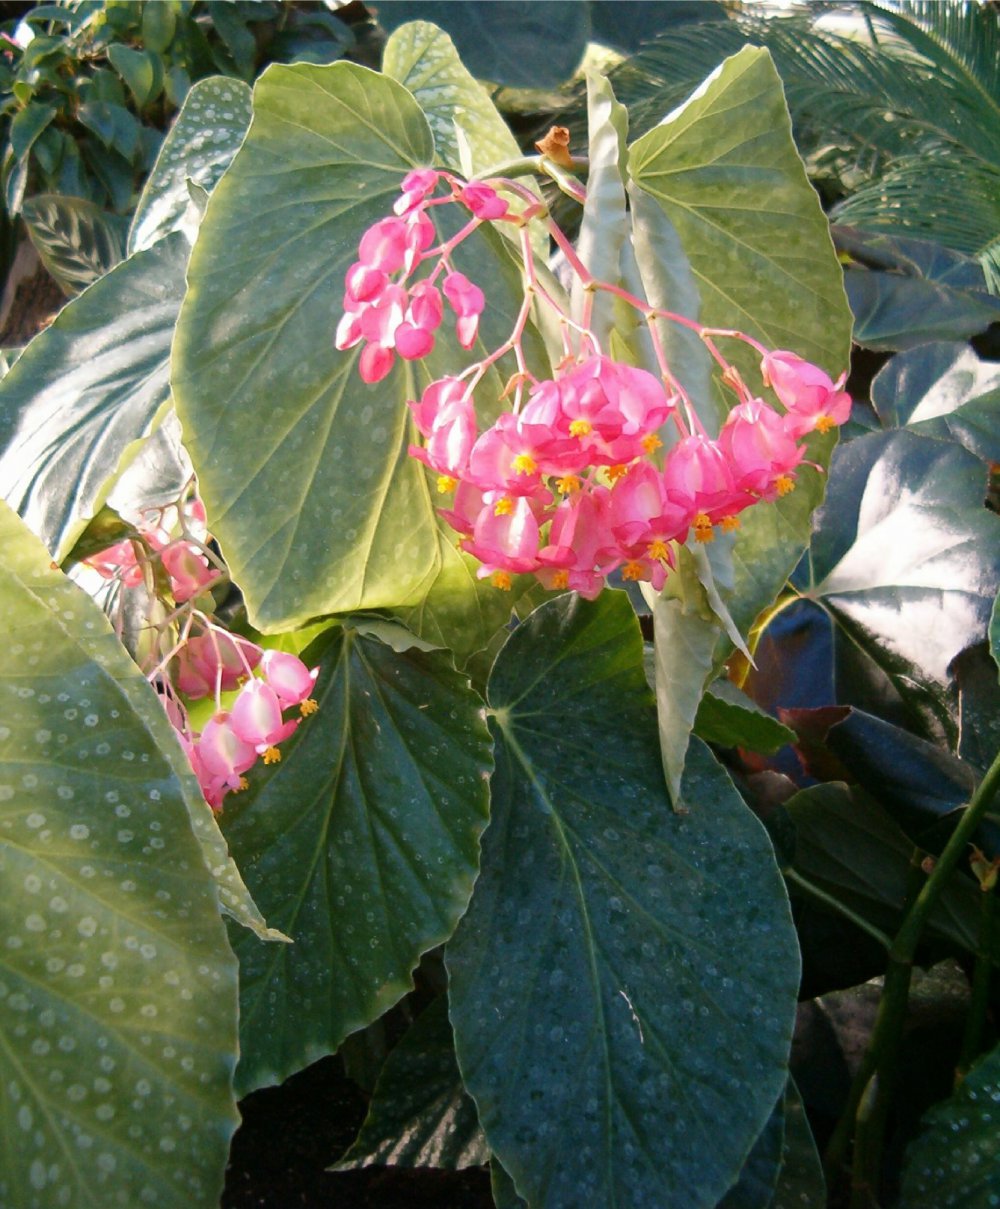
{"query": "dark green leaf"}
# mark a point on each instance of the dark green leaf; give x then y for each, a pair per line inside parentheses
(978, 706)
(847, 845)
(117, 129)
(77, 241)
(604, 980)
(158, 24)
(270, 409)
(205, 136)
(800, 1181)
(995, 631)
(755, 1187)
(28, 125)
(231, 27)
(86, 390)
(904, 534)
(896, 312)
(502, 1186)
(141, 70)
(420, 1114)
(362, 844)
(956, 1158)
(731, 719)
(117, 987)
(514, 43)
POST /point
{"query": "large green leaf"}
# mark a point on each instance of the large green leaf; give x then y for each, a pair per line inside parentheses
(956, 1158)
(271, 411)
(117, 987)
(516, 43)
(199, 147)
(725, 170)
(623, 984)
(942, 390)
(86, 390)
(77, 241)
(424, 60)
(906, 561)
(362, 845)
(800, 1181)
(420, 1115)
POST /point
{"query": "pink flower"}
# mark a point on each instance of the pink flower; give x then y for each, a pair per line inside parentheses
(291, 680)
(256, 716)
(220, 657)
(223, 753)
(417, 187)
(363, 283)
(756, 442)
(697, 470)
(188, 569)
(467, 301)
(505, 537)
(452, 431)
(579, 530)
(384, 245)
(646, 514)
(484, 201)
(813, 400)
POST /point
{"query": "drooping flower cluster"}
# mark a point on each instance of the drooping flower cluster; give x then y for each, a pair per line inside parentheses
(191, 657)
(574, 482)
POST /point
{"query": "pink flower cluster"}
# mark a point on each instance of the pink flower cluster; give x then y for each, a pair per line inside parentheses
(384, 310)
(195, 658)
(567, 489)
(568, 485)
(176, 536)
(233, 740)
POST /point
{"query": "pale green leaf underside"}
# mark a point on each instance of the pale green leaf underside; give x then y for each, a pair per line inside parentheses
(117, 987)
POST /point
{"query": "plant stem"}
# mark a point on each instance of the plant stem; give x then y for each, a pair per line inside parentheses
(794, 878)
(878, 1063)
(972, 1038)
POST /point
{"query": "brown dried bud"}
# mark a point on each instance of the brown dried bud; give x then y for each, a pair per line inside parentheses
(555, 145)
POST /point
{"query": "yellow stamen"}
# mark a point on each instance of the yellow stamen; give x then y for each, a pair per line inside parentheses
(614, 473)
(568, 484)
(730, 524)
(580, 428)
(784, 484)
(504, 506)
(651, 442)
(560, 580)
(703, 528)
(825, 423)
(657, 549)
(307, 707)
(272, 755)
(524, 464)
(446, 483)
(244, 784)
(501, 580)
(632, 570)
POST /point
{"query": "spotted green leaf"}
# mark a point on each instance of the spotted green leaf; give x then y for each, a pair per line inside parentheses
(271, 411)
(361, 845)
(82, 395)
(623, 985)
(199, 146)
(117, 987)
(424, 60)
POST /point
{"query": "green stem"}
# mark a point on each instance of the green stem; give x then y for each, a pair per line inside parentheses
(880, 1057)
(975, 1021)
(793, 877)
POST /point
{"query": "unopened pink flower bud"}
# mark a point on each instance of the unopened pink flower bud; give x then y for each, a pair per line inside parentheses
(484, 201)
(291, 680)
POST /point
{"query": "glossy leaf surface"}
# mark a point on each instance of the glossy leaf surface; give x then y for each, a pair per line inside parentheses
(85, 391)
(117, 987)
(730, 718)
(361, 845)
(420, 1114)
(904, 528)
(75, 240)
(199, 146)
(619, 1049)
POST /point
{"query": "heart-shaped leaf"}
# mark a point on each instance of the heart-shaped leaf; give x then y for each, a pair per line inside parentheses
(271, 411)
(199, 147)
(117, 987)
(86, 390)
(362, 844)
(623, 984)
(420, 1114)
